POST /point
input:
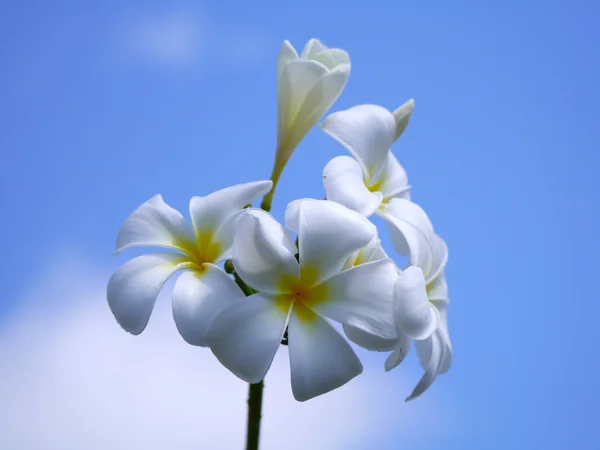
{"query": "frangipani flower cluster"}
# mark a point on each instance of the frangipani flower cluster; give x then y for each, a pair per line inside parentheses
(249, 284)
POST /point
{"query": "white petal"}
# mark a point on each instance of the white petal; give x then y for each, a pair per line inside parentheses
(212, 214)
(156, 224)
(263, 252)
(437, 288)
(318, 100)
(320, 358)
(133, 288)
(332, 58)
(362, 296)
(402, 116)
(343, 183)
(198, 297)
(415, 317)
(246, 336)
(287, 53)
(399, 353)
(440, 257)
(442, 307)
(412, 214)
(368, 340)
(312, 48)
(297, 79)
(394, 181)
(369, 253)
(433, 350)
(327, 235)
(411, 232)
(367, 131)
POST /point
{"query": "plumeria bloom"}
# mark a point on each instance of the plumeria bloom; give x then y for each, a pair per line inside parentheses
(420, 295)
(307, 86)
(374, 177)
(204, 289)
(421, 292)
(300, 295)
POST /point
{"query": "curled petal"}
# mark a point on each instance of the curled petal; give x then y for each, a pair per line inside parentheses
(246, 336)
(362, 297)
(399, 353)
(368, 340)
(328, 233)
(411, 232)
(415, 317)
(440, 258)
(133, 288)
(432, 352)
(394, 181)
(367, 132)
(442, 307)
(263, 252)
(343, 182)
(198, 297)
(320, 358)
(156, 224)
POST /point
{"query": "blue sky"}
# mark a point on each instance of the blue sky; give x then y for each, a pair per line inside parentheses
(97, 115)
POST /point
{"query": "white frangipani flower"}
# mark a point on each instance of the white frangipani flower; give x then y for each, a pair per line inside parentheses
(374, 176)
(307, 86)
(204, 290)
(421, 292)
(301, 295)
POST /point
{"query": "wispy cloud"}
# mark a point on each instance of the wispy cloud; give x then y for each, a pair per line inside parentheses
(187, 39)
(72, 379)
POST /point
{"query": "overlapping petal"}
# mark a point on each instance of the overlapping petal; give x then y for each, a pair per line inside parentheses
(263, 251)
(411, 232)
(312, 48)
(133, 288)
(320, 358)
(368, 340)
(415, 316)
(328, 233)
(246, 336)
(215, 214)
(367, 132)
(362, 297)
(156, 224)
(297, 78)
(344, 183)
(287, 53)
(198, 297)
(440, 258)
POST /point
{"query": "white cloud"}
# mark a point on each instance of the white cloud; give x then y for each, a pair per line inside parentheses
(184, 40)
(72, 379)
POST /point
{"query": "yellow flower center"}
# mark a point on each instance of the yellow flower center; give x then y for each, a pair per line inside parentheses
(204, 250)
(303, 293)
(375, 186)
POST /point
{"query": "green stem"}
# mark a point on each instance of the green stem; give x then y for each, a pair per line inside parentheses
(268, 199)
(255, 395)
(255, 391)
